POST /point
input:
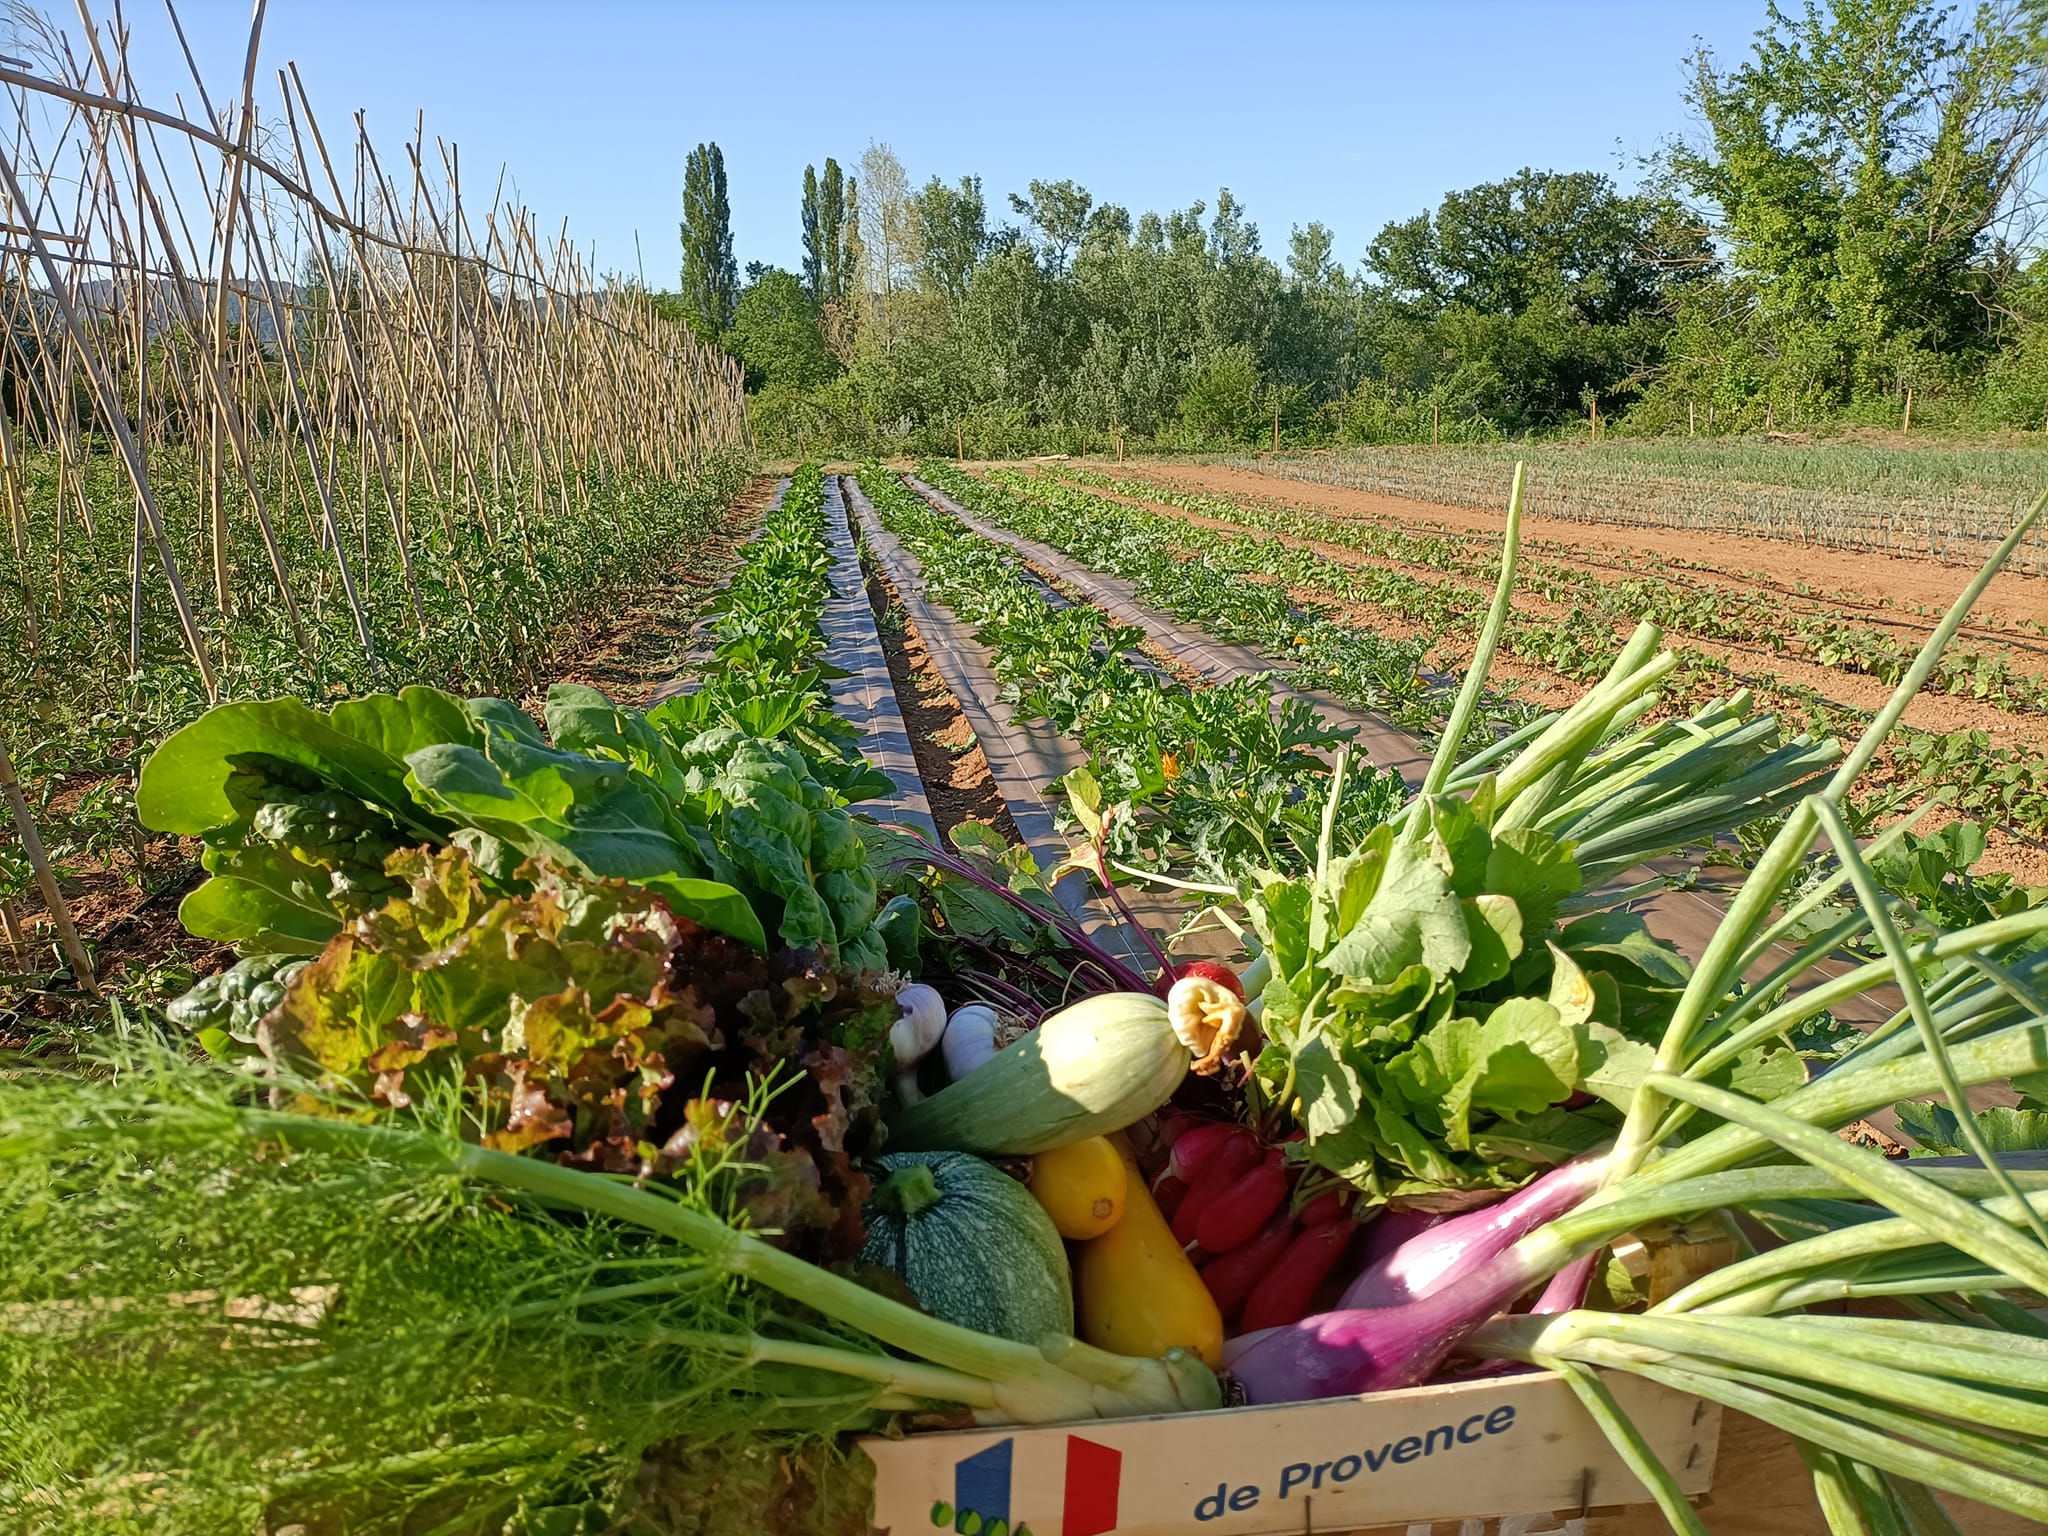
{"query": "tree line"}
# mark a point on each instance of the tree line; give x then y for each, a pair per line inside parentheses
(1845, 236)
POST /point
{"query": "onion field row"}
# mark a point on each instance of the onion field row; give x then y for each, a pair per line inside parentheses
(1949, 504)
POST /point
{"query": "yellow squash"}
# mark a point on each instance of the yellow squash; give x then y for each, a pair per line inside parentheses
(1082, 1186)
(1136, 1291)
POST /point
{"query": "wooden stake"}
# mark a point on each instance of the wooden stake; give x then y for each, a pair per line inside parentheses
(46, 878)
(1906, 421)
(960, 442)
(11, 933)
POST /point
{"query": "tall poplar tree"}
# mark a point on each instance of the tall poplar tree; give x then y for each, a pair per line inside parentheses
(824, 216)
(711, 277)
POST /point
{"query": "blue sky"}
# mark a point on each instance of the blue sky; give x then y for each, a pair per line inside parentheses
(1351, 114)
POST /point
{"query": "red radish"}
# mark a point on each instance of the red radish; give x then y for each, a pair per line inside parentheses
(1289, 1290)
(1325, 1208)
(1209, 970)
(1167, 1194)
(1193, 1148)
(1232, 1161)
(1231, 1276)
(1238, 1213)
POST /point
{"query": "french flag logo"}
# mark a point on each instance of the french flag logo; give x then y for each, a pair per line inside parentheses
(981, 1491)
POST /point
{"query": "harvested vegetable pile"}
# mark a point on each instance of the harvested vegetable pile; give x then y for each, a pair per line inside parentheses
(602, 1123)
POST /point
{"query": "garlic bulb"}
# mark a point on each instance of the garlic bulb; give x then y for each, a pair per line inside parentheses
(970, 1039)
(923, 1021)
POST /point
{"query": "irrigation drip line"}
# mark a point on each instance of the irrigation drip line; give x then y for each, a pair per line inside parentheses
(866, 696)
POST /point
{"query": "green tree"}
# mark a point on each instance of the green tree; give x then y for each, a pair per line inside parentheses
(775, 334)
(1524, 299)
(1859, 168)
(824, 223)
(952, 230)
(710, 275)
(1058, 210)
(1567, 240)
(1224, 400)
(2016, 385)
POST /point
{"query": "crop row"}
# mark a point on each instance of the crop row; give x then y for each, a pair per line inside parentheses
(1576, 645)
(1999, 784)
(1217, 780)
(1237, 591)
(1828, 638)
(765, 674)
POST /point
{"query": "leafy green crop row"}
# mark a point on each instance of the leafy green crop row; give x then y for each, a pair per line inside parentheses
(2000, 784)
(1238, 590)
(767, 671)
(1218, 780)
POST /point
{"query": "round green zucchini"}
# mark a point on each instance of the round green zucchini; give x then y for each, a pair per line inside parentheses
(971, 1243)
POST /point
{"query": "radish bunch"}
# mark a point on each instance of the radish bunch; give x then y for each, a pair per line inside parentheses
(1263, 1243)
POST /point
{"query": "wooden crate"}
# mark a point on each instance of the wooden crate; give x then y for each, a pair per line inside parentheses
(1760, 1489)
(1466, 1450)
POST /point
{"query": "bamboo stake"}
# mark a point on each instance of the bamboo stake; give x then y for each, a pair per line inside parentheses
(46, 877)
(117, 421)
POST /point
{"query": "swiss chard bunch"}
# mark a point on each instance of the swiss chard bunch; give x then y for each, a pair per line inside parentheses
(759, 819)
(299, 810)
(584, 1019)
(1437, 1023)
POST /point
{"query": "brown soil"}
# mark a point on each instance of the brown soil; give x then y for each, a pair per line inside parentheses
(957, 782)
(1994, 638)
(1872, 578)
(643, 652)
(1764, 670)
(1757, 665)
(136, 944)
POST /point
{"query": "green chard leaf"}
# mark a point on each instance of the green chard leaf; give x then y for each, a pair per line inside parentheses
(1412, 918)
(1617, 941)
(1536, 870)
(185, 785)
(1934, 1127)
(1495, 926)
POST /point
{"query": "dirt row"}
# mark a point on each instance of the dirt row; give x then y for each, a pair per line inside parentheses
(1757, 665)
(1898, 593)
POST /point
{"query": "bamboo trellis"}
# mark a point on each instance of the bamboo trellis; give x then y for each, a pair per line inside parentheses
(226, 282)
(311, 397)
